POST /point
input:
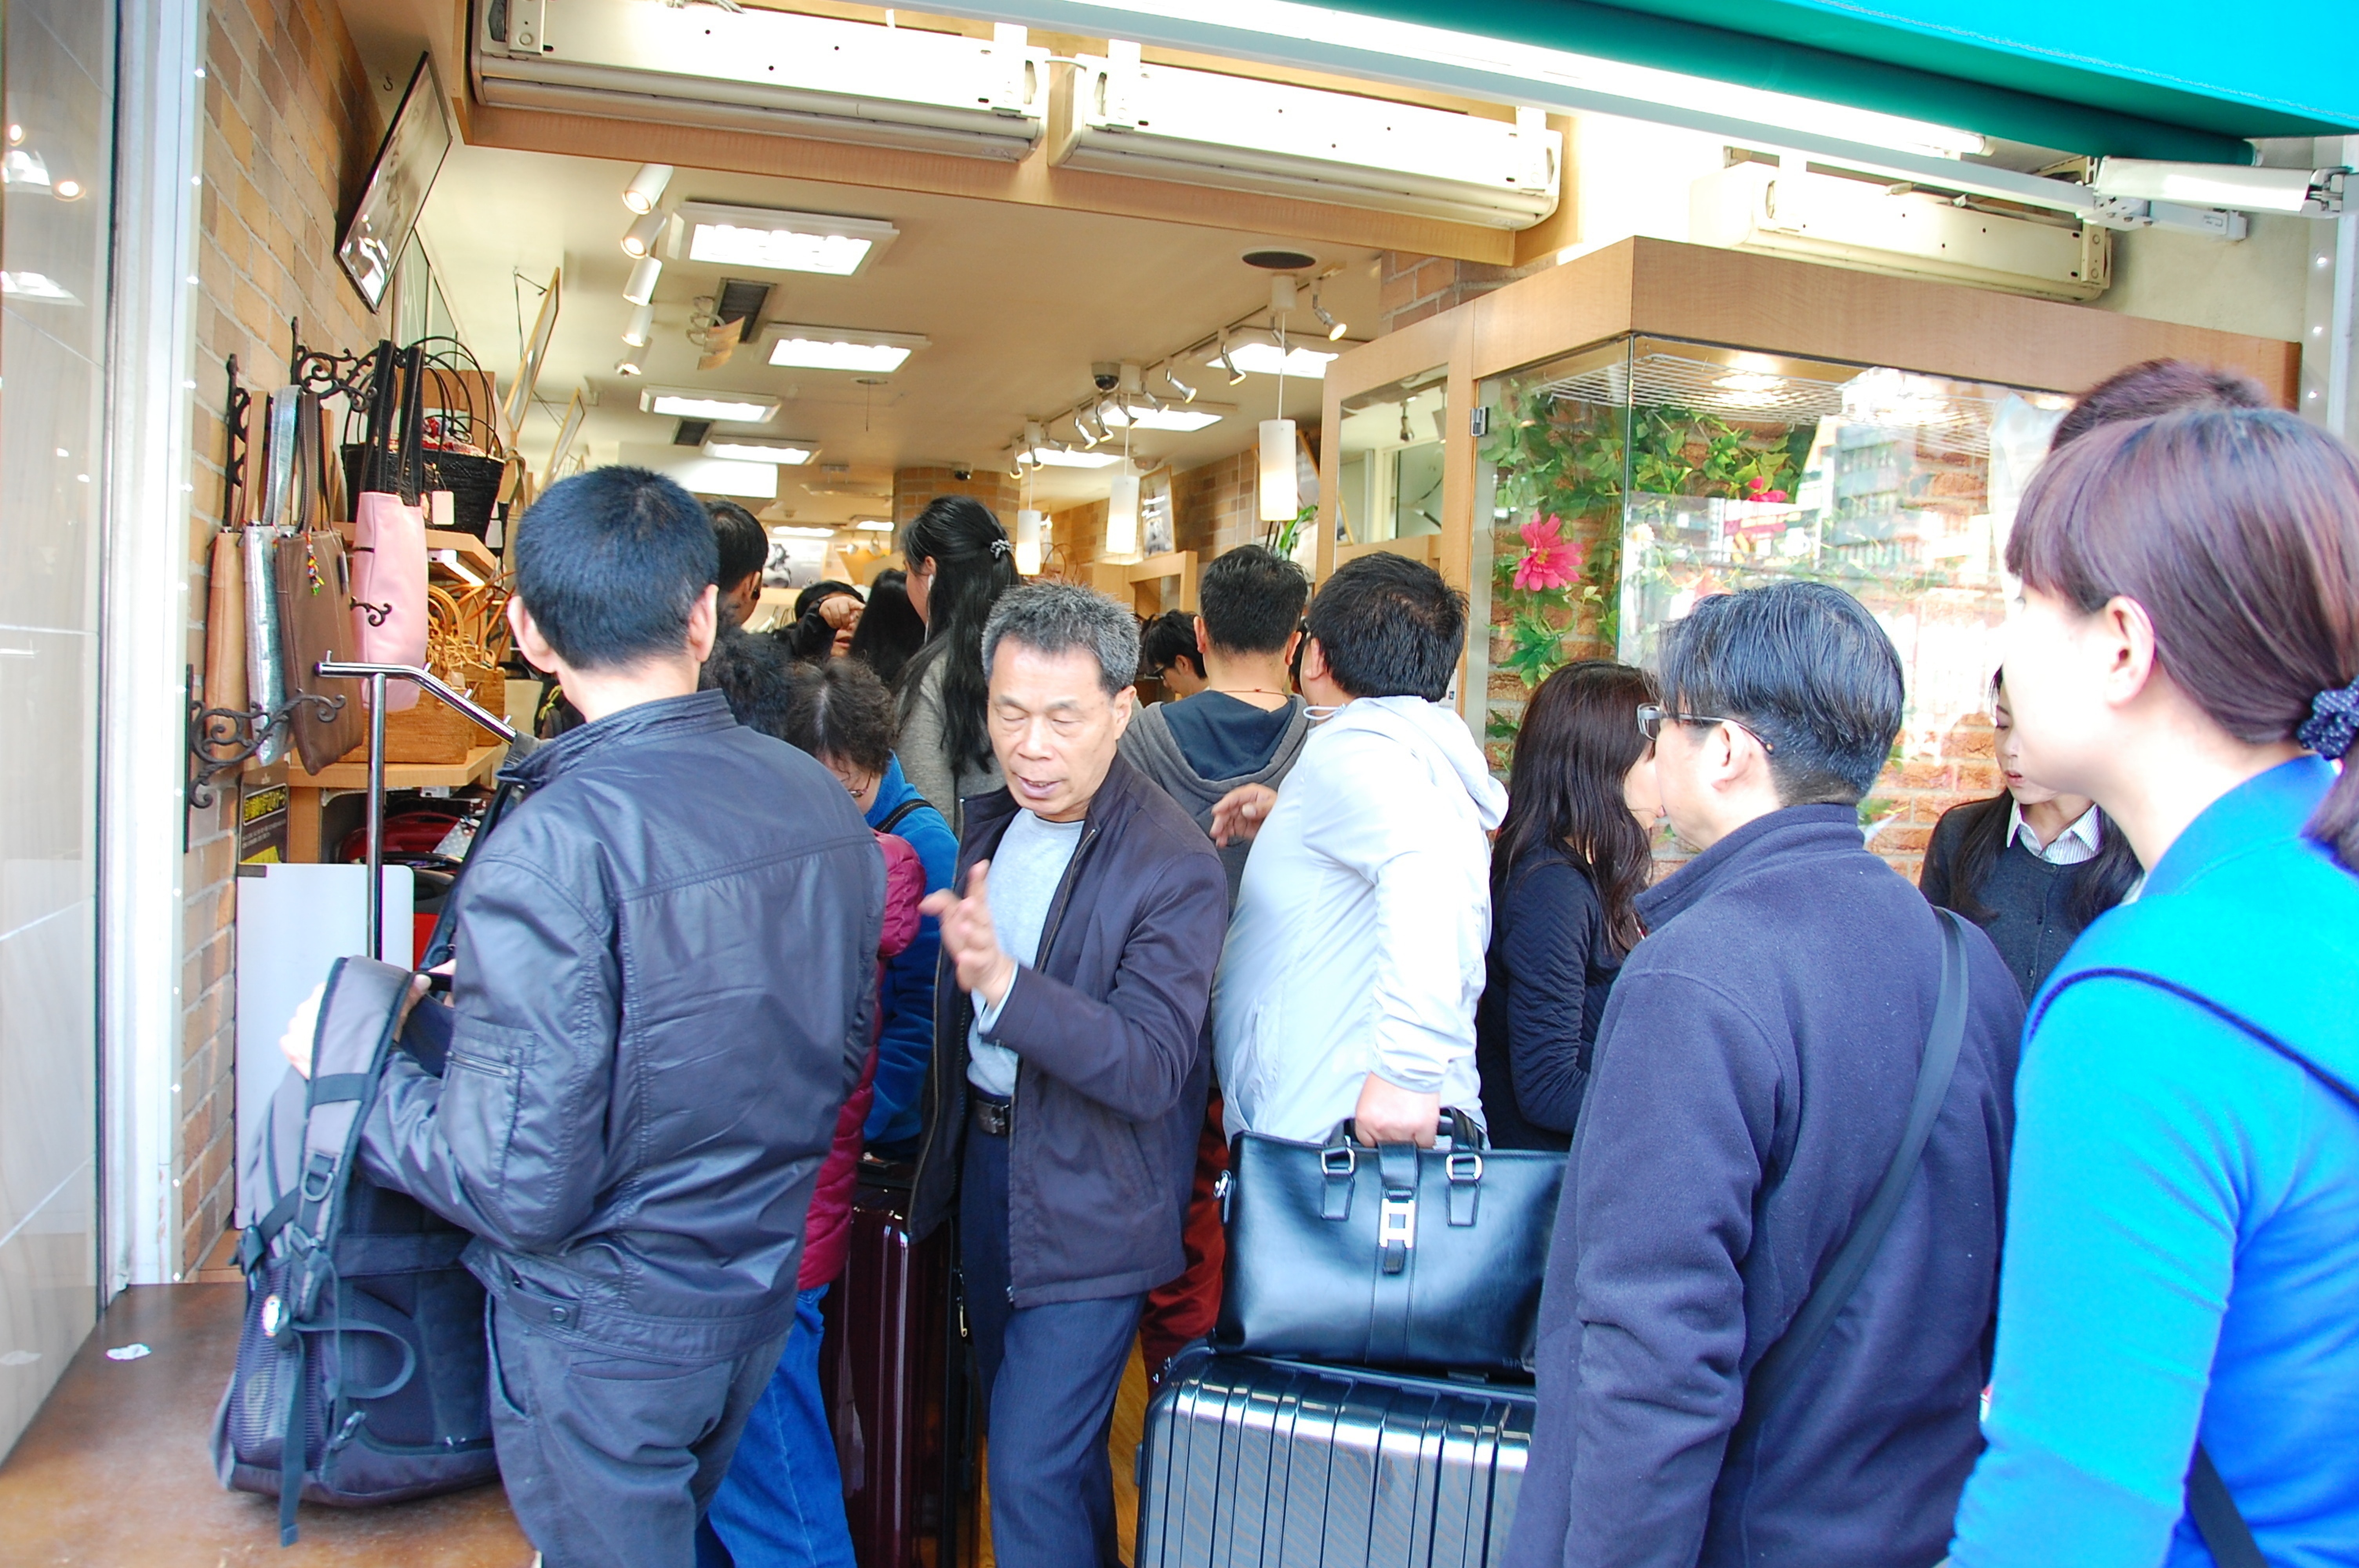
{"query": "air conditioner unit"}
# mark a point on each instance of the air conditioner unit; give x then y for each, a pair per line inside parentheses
(1197, 127)
(1900, 231)
(764, 70)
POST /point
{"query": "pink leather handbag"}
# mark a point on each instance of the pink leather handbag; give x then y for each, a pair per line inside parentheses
(389, 525)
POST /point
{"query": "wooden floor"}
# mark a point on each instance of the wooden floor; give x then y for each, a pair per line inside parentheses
(114, 1472)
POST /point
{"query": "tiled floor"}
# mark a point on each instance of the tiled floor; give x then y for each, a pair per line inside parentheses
(114, 1472)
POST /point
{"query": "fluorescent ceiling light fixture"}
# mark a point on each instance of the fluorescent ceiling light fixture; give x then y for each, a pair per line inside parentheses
(747, 449)
(1061, 457)
(1594, 85)
(1182, 416)
(792, 532)
(647, 187)
(686, 403)
(873, 524)
(842, 347)
(1262, 359)
(2314, 190)
(783, 241)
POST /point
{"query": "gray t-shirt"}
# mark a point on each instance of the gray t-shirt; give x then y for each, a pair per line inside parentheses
(1031, 862)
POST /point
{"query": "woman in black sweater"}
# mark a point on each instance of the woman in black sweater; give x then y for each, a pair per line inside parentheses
(1571, 854)
(2032, 868)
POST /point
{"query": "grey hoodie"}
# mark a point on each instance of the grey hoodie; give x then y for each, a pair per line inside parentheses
(1149, 746)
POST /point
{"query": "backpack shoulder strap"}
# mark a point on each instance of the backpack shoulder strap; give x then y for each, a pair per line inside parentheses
(446, 924)
(1773, 1377)
(901, 813)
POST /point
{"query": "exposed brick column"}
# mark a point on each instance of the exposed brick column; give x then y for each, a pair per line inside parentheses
(1413, 287)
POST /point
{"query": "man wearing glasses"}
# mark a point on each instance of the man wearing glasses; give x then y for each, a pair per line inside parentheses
(1752, 1077)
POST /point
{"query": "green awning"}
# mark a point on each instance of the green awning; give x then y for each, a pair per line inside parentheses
(2159, 79)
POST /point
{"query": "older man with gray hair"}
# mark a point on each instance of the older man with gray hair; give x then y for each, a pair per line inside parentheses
(1071, 1060)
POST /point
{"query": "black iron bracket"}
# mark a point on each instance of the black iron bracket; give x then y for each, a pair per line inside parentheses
(328, 373)
(222, 740)
(238, 416)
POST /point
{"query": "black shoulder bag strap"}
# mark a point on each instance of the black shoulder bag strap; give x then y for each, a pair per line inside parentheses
(1774, 1376)
(446, 924)
(900, 814)
(2209, 1502)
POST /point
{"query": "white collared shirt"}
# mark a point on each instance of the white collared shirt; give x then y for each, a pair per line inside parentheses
(2075, 844)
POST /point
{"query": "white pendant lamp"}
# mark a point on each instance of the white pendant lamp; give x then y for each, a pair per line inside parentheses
(1282, 493)
(1122, 516)
(1027, 542)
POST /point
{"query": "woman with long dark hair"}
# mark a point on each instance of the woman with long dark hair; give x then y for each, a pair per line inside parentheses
(2178, 1355)
(2029, 866)
(891, 629)
(1570, 857)
(959, 563)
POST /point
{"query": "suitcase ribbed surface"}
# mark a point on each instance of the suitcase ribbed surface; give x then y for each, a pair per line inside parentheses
(1250, 1463)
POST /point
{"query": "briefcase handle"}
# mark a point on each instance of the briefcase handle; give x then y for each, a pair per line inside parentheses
(1465, 1132)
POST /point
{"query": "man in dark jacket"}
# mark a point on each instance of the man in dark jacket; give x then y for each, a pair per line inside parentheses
(1753, 1076)
(666, 962)
(1070, 1057)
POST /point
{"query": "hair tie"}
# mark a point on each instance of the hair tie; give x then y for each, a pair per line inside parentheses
(2333, 722)
(1001, 547)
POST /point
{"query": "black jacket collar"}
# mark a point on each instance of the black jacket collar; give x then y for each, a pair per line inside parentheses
(663, 720)
(1798, 829)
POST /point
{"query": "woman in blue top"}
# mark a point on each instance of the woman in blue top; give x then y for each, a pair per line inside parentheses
(2182, 1242)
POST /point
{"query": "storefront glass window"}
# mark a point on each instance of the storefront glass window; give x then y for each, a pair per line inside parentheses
(1619, 485)
(1389, 475)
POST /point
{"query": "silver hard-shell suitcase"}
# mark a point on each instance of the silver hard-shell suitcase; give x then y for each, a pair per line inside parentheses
(1253, 1463)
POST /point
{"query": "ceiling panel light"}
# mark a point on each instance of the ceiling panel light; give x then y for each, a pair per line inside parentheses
(647, 187)
(1182, 416)
(783, 241)
(842, 347)
(873, 524)
(1262, 359)
(792, 532)
(1066, 458)
(688, 403)
(747, 449)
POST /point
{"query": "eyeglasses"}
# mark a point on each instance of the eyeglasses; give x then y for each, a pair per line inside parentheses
(1652, 716)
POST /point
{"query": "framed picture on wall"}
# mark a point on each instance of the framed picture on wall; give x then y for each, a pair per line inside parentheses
(406, 162)
(1156, 525)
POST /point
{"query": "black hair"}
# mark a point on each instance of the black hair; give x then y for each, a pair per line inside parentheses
(1250, 599)
(2092, 887)
(1389, 626)
(1806, 668)
(819, 593)
(973, 565)
(744, 546)
(840, 709)
(1579, 741)
(610, 564)
(889, 629)
(750, 671)
(1167, 639)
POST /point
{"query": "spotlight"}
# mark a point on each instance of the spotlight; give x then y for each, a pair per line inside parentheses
(67, 190)
(640, 238)
(1226, 363)
(647, 187)
(1187, 393)
(626, 367)
(1336, 329)
(642, 326)
(1082, 425)
(641, 289)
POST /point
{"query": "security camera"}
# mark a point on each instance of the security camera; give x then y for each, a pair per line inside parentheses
(1107, 374)
(962, 473)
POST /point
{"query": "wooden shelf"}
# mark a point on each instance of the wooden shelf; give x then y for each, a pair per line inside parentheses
(482, 763)
(470, 549)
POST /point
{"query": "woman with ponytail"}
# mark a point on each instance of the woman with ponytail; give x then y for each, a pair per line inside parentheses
(2176, 1378)
(959, 563)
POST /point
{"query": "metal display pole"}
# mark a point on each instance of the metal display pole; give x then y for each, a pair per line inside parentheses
(376, 676)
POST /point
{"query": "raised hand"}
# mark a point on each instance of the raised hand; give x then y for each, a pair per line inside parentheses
(984, 970)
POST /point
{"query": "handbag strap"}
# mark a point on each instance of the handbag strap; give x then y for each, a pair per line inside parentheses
(901, 813)
(1774, 1376)
(2215, 1514)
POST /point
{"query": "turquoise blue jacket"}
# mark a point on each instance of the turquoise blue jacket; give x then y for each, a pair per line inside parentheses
(2183, 1240)
(904, 1044)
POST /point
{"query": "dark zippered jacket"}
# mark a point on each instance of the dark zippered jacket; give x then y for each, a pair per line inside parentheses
(667, 966)
(1110, 1022)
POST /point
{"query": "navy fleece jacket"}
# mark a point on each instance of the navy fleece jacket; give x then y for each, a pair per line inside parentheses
(1750, 1084)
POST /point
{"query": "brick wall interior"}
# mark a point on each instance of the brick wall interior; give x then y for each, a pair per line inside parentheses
(290, 129)
(914, 487)
(1412, 287)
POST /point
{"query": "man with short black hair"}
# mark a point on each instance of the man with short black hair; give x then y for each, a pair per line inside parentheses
(1355, 957)
(744, 550)
(666, 969)
(1750, 1085)
(1070, 1061)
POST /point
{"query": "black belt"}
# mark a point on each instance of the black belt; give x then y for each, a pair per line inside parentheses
(991, 1115)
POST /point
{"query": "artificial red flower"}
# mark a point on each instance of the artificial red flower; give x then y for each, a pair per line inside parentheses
(1758, 489)
(1549, 560)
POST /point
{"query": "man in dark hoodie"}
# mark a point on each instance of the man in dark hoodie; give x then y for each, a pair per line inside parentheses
(1752, 1077)
(1247, 726)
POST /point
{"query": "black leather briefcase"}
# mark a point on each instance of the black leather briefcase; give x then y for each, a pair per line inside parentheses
(1389, 1257)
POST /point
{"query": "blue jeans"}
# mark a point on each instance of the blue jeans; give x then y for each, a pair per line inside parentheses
(782, 1504)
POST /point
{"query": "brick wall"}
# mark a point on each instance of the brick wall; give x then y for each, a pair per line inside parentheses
(914, 487)
(289, 130)
(1077, 535)
(1215, 505)
(1412, 287)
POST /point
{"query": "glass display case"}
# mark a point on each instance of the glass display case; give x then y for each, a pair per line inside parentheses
(1389, 477)
(1617, 485)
